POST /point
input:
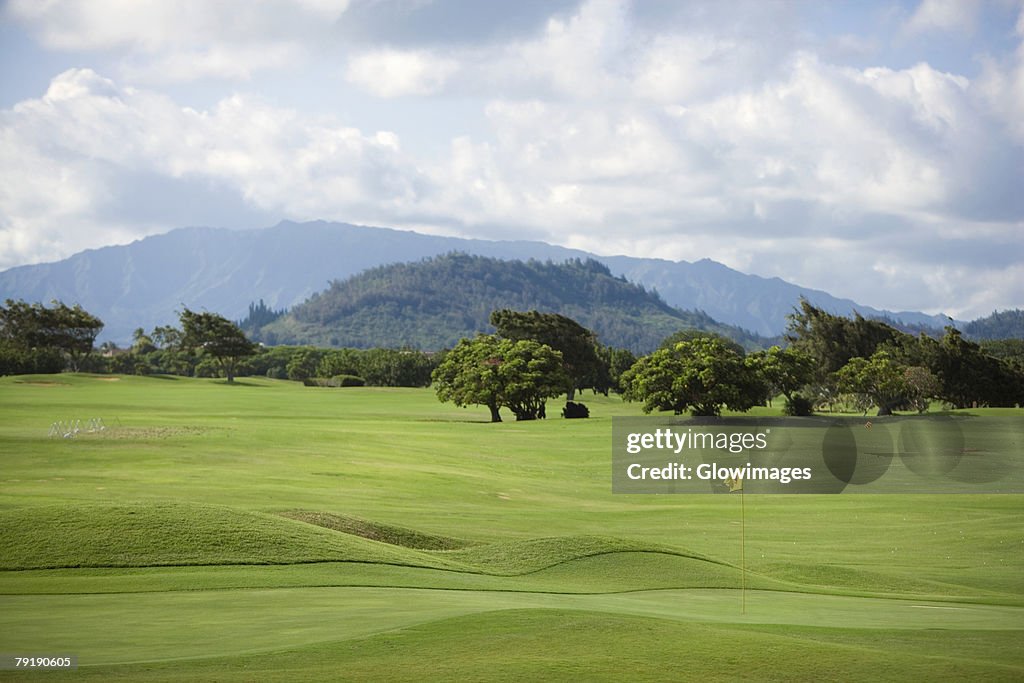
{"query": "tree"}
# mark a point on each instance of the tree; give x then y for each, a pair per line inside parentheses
(531, 373)
(969, 376)
(577, 344)
(785, 371)
(833, 340)
(608, 375)
(1010, 351)
(167, 337)
(922, 386)
(494, 372)
(702, 376)
(304, 364)
(142, 343)
(691, 333)
(877, 381)
(217, 336)
(35, 329)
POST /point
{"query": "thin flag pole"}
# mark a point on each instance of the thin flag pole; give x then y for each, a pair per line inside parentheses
(734, 485)
(743, 553)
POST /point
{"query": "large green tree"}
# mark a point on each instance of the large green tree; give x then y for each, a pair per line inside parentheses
(608, 375)
(36, 329)
(785, 371)
(832, 340)
(216, 336)
(969, 376)
(495, 372)
(884, 382)
(691, 333)
(702, 375)
(577, 344)
(877, 380)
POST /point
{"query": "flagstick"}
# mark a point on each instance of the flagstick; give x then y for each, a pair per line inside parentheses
(743, 555)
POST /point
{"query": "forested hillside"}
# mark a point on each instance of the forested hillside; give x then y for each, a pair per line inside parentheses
(433, 303)
(999, 325)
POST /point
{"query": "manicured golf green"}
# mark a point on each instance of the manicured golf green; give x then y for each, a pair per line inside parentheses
(270, 531)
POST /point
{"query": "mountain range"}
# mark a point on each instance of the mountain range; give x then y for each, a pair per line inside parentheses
(144, 283)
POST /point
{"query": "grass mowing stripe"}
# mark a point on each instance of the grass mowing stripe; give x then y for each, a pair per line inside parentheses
(515, 645)
(117, 627)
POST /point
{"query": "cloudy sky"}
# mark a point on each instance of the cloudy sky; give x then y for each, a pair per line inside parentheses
(871, 149)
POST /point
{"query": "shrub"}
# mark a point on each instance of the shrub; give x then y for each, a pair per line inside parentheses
(575, 410)
(798, 406)
(15, 361)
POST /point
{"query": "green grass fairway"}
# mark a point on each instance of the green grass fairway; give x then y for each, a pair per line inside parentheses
(271, 532)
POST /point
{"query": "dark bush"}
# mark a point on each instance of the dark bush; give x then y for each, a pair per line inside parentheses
(798, 406)
(15, 361)
(575, 410)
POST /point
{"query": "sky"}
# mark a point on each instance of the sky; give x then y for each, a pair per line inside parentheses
(874, 150)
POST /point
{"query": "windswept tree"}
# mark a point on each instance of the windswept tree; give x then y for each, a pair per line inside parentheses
(495, 372)
(217, 337)
(577, 344)
(702, 375)
(36, 329)
(832, 340)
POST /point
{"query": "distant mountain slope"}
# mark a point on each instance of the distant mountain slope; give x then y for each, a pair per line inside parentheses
(999, 325)
(142, 284)
(749, 301)
(433, 303)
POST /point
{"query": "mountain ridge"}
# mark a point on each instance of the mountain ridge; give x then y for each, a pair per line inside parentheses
(143, 284)
(432, 303)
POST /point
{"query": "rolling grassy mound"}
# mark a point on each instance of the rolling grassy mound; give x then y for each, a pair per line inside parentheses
(531, 555)
(178, 534)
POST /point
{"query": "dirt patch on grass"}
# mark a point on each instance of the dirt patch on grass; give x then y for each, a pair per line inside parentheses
(146, 432)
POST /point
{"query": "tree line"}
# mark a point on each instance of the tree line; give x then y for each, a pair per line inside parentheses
(36, 339)
(534, 357)
(829, 359)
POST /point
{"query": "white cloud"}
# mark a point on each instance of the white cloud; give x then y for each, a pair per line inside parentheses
(695, 164)
(71, 151)
(1002, 84)
(393, 73)
(944, 15)
(679, 142)
(184, 40)
(576, 56)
